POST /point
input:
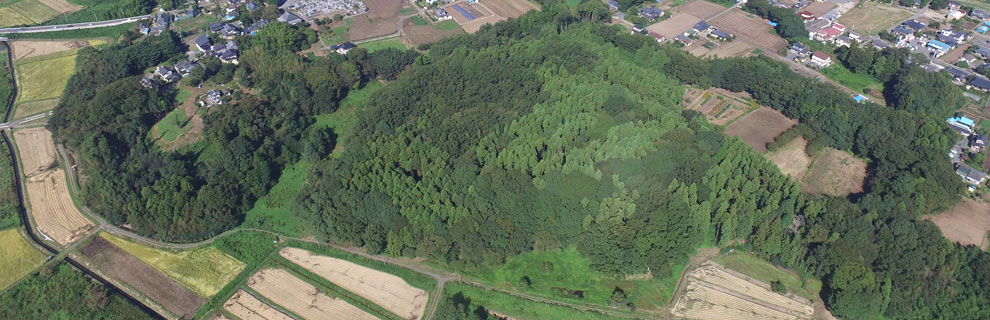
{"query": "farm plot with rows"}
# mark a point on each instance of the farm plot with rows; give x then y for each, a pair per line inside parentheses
(48, 198)
(714, 292)
(760, 127)
(386, 290)
(19, 258)
(302, 298)
(247, 307)
(205, 270)
(719, 106)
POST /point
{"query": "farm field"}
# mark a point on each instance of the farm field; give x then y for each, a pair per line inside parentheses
(714, 292)
(792, 159)
(35, 48)
(382, 19)
(873, 17)
(151, 283)
(247, 307)
(482, 16)
(760, 127)
(509, 8)
(205, 270)
(302, 298)
(417, 35)
(48, 197)
(718, 105)
(967, 223)
(27, 12)
(42, 78)
(763, 271)
(384, 289)
(675, 25)
(700, 8)
(755, 30)
(172, 126)
(819, 8)
(731, 49)
(19, 257)
(835, 173)
(395, 43)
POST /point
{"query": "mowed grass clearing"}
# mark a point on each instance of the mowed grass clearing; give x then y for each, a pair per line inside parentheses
(204, 270)
(854, 81)
(17, 257)
(447, 25)
(172, 126)
(43, 78)
(395, 43)
(273, 212)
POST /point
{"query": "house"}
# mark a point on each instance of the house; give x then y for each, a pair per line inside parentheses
(980, 83)
(799, 49)
(684, 39)
(855, 35)
(203, 43)
(229, 56)
(903, 34)
(820, 59)
(650, 13)
(913, 25)
(939, 48)
(816, 25)
(185, 67)
(970, 175)
(166, 74)
(983, 52)
(806, 15)
(257, 25)
(958, 76)
(613, 5)
(829, 34)
(701, 26)
(963, 125)
(637, 28)
(954, 5)
(979, 14)
(290, 18)
(231, 14)
(144, 28)
(982, 29)
(970, 59)
(214, 97)
(843, 41)
(879, 44)
(163, 19)
(955, 15)
(343, 48)
(216, 27)
(720, 35)
(953, 35)
(230, 31)
(660, 38)
(251, 6)
(441, 14)
(977, 143)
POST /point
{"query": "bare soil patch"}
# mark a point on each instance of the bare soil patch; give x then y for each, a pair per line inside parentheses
(151, 283)
(675, 25)
(792, 158)
(302, 298)
(62, 6)
(714, 292)
(382, 19)
(967, 223)
(874, 17)
(417, 35)
(731, 49)
(953, 55)
(384, 289)
(819, 8)
(835, 173)
(700, 8)
(755, 30)
(509, 8)
(34, 48)
(247, 307)
(760, 127)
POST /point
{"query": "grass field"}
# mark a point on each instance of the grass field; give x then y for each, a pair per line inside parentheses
(762, 270)
(395, 43)
(21, 12)
(446, 25)
(273, 212)
(516, 308)
(173, 125)
(855, 81)
(406, 11)
(205, 270)
(872, 17)
(419, 21)
(44, 77)
(19, 257)
(572, 3)
(550, 272)
(836, 173)
(343, 120)
(967, 223)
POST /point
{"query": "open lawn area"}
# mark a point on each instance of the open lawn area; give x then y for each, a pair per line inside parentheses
(343, 120)
(205, 270)
(871, 17)
(17, 257)
(172, 126)
(104, 32)
(419, 21)
(446, 25)
(395, 43)
(854, 81)
(43, 78)
(273, 212)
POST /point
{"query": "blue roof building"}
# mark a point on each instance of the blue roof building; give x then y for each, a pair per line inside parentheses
(861, 98)
(962, 120)
(939, 45)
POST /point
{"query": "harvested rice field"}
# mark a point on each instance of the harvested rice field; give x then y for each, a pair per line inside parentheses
(386, 290)
(247, 307)
(714, 292)
(302, 298)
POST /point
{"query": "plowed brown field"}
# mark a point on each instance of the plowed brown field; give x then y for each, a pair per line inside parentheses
(302, 298)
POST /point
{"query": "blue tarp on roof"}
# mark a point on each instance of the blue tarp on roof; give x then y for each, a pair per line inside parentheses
(860, 98)
(773, 23)
(962, 120)
(982, 29)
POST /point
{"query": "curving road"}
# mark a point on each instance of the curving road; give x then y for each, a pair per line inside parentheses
(74, 26)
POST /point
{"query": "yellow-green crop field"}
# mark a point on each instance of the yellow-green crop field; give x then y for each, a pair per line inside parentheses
(203, 270)
(44, 77)
(21, 12)
(17, 257)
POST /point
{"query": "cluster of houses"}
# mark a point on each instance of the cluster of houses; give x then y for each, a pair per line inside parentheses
(159, 24)
(700, 29)
(971, 142)
(818, 59)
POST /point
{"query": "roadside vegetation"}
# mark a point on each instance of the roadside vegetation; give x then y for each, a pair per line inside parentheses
(112, 32)
(466, 302)
(6, 90)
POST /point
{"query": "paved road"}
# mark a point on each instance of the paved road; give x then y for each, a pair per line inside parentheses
(74, 26)
(24, 122)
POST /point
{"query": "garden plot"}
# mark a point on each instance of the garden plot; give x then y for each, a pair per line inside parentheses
(19, 258)
(383, 289)
(760, 127)
(302, 298)
(509, 8)
(714, 292)
(247, 307)
(472, 16)
(967, 223)
(720, 106)
(836, 173)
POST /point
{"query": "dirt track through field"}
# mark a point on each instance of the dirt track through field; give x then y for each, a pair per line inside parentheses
(302, 298)
(124, 267)
(967, 223)
(247, 307)
(384, 289)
